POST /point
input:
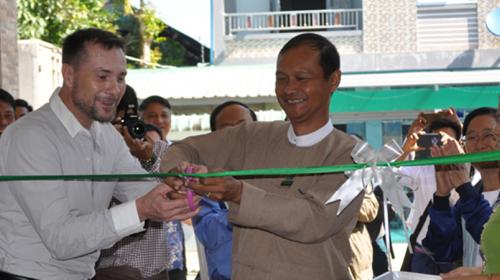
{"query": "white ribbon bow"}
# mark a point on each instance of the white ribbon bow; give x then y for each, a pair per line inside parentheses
(389, 181)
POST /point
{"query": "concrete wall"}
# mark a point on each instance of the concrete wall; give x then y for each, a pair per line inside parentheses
(40, 71)
(8, 47)
(389, 26)
(486, 39)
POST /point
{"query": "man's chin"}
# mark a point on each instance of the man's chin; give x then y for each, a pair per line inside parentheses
(104, 118)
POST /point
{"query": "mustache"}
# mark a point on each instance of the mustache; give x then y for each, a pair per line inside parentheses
(107, 99)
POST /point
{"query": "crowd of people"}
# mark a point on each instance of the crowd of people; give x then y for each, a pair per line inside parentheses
(249, 227)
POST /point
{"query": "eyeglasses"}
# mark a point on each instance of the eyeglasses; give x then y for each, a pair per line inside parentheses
(486, 135)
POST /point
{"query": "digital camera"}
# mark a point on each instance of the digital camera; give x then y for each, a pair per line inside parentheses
(136, 128)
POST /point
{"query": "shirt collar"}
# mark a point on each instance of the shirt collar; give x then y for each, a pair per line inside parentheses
(312, 138)
(69, 121)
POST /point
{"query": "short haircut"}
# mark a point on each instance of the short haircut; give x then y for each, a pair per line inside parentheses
(329, 58)
(440, 123)
(23, 103)
(476, 113)
(6, 97)
(220, 107)
(129, 98)
(154, 99)
(74, 44)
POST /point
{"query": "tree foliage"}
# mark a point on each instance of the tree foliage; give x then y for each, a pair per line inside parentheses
(53, 20)
(173, 52)
(142, 29)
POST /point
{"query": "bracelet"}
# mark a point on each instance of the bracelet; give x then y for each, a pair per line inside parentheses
(147, 164)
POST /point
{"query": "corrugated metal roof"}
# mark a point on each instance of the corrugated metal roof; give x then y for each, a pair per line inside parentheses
(258, 80)
(204, 82)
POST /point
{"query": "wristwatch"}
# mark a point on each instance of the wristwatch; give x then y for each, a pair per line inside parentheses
(147, 164)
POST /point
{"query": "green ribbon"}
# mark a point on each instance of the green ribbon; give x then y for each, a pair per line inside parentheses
(456, 159)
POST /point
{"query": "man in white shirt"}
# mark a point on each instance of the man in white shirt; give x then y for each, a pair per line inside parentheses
(55, 229)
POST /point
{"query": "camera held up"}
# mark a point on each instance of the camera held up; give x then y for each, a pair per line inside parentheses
(136, 128)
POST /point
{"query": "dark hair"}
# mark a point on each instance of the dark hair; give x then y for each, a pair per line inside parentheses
(74, 44)
(154, 99)
(440, 123)
(220, 107)
(476, 113)
(6, 97)
(129, 98)
(23, 103)
(329, 58)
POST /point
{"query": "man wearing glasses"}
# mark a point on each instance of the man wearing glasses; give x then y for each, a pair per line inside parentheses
(446, 238)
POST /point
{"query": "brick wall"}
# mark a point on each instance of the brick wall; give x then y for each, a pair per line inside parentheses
(486, 39)
(8, 46)
(389, 26)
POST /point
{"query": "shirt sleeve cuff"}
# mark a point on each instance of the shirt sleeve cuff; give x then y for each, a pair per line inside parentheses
(126, 219)
(467, 191)
(441, 202)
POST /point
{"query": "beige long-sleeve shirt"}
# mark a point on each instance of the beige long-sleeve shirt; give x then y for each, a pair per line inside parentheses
(361, 243)
(280, 232)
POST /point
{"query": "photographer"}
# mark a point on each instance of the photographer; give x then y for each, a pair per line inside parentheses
(446, 238)
(143, 255)
(447, 123)
(141, 138)
(156, 112)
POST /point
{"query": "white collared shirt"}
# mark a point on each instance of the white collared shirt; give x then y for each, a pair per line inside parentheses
(125, 217)
(55, 229)
(312, 138)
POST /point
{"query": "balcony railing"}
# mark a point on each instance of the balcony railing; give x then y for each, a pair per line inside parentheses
(341, 19)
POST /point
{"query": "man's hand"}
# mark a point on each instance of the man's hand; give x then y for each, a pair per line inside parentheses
(219, 188)
(418, 125)
(449, 176)
(416, 129)
(156, 205)
(179, 183)
(411, 145)
(143, 150)
(462, 271)
(216, 188)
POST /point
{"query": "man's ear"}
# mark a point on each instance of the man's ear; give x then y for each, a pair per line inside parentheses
(68, 73)
(334, 80)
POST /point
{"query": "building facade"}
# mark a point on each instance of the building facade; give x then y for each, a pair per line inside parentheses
(398, 57)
